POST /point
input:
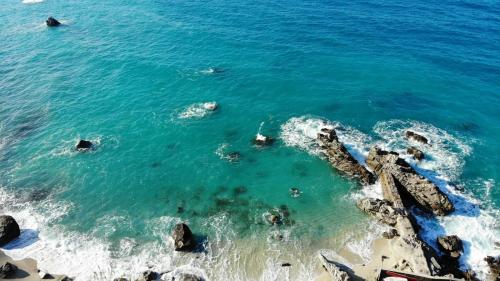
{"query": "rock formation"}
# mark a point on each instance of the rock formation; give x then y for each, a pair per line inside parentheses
(415, 136)
(407, 181)
(261, 140)
(52, 22)
(9, 229)
(7, 270)
(183, 238)
(416, 153)
(451, 246)
(494, 264)
(340, 158)
(337, 271)
(84, 145)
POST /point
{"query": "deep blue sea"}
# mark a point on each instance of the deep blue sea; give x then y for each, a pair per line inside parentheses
(132, 77)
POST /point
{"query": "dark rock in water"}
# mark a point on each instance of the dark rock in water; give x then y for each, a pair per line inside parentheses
(84, 145)
(120, 279)
(188, 277)
(286, 264)
(149, 275)
(493, 263)
(295, 192)
(415, 136)
(417, 154)
(9, 229)
(7, 270)
(66, 278)
(274, 219)
(391, 233)
(261, 140)
(403, 178)
(239, 190)
(180, 210)
(340, 158)
(52, 22)
(183, 238)
(234, 156)
(451, 246)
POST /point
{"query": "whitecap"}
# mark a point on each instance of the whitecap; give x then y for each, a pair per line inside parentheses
(32, 1)
(198, 110)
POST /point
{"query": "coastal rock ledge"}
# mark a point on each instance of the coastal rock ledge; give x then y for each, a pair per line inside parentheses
(400, 177)
(9, 229)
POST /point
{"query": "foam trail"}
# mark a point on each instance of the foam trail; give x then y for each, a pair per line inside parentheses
(198, 110)
(32, 1)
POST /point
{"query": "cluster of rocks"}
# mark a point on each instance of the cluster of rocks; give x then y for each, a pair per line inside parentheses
(402, 189)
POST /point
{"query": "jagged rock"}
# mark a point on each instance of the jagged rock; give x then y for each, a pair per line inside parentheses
(261, 140)
(416, 153)
(183, 238)
(451, 246)
(390, 189)
(422, 191)
(341, 159)
(337, 271)
(149, 275)
(380, 209)
(390, 233)
(493, 263)
(84, 145)
(52, 22)
(9, 229)
(7, 270)
(415, 136)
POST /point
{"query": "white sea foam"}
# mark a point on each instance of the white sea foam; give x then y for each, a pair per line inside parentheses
(198, 110)
(32, 1)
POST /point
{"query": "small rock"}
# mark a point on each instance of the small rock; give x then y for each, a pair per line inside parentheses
(120, 279)
(286, 264)
(234, 156)
(52, 22)
(261, 140)
(390, 233)
(7, 270)
(9, 229)
(149, 275)
(84, 145)
(66, 278)
(493, 263)
(416, 153)
(275, 219)
(415, 136)
(44, 274)
(295, 192)
(451, 245)
(212, 106)
(183, 238)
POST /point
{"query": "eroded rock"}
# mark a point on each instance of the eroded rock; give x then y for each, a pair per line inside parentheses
(341, 159)
(451, 246)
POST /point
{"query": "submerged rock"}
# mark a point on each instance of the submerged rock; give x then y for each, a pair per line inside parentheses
(340, 158)
(415, 136)
(295, 192)
(183, 238)
(83, 145)
(261, 140)
(233, 156)
(52, 22)
(408, 182)
(9, 229)
(7, 270)
(451, 246)
(416, 153)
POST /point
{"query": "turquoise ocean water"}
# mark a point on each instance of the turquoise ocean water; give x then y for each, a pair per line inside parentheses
(130, 75)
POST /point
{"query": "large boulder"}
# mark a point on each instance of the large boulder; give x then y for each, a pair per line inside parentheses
(451, 246)
(9, 229)
(340, 158)
(417, 137)
(7, 270)
(422, 191)
(183, 238)
(52, 22)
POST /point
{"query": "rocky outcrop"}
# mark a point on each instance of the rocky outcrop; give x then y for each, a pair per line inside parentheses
(9, 229)
(408, 182)
(183, 238)
(341, 159)
(261, 140)
(7, 270)
(337, 271)
(84, 145)
(494, 264)
(380, 209)
(416, 153)
(451, 246)
(52, 22)
(416, 137)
